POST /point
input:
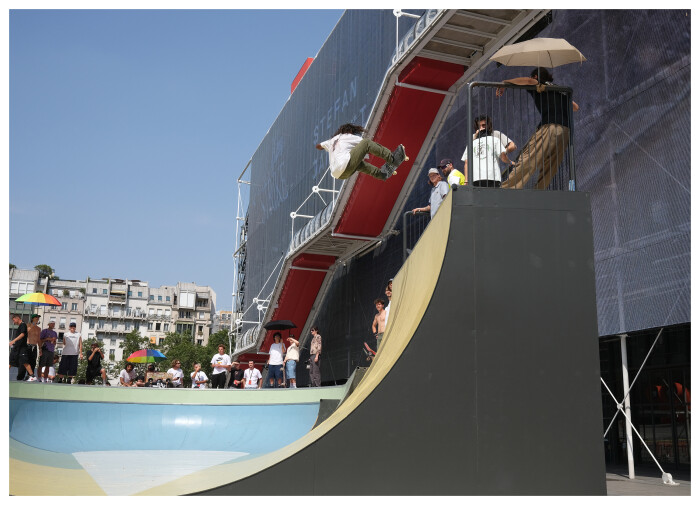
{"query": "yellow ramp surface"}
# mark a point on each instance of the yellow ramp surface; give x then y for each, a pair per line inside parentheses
(413, 289)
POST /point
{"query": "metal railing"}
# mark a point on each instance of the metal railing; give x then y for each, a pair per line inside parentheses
(533, 124)
(413, 229)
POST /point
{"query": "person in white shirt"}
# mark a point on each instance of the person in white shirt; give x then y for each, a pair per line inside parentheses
(487, 151)
(276, 360)
(252, 377)
(387, 292)
(221, 364)
(199, 378)
(290, 361)
(177, 374)
(347, 151)
(127, 376)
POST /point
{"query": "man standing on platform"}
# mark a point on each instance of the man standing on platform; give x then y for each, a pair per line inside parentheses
(453, 175)
(33, 341)
(437, 194)
(379, 323)
(48, 340)
(315, 358)
(18, 353)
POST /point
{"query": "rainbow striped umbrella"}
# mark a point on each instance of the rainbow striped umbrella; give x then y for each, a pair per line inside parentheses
(39, 299)
(146, 356)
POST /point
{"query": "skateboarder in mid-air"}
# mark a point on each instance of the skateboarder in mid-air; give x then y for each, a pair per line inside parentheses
(347, 151)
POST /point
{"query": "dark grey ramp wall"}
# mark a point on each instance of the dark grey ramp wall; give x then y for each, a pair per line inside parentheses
(498, 391)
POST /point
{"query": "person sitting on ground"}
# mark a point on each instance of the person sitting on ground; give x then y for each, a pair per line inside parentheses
(127, 377)
(291, 359)
(94, 367)
(437, 194)
(347, 151)
(51, 373)
(275, 361)
(237, 381)
(199, 378)
(177, 374)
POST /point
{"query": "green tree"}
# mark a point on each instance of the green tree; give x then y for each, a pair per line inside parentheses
(45, 271)
(132, 342)
(12, 265)
(180, 347)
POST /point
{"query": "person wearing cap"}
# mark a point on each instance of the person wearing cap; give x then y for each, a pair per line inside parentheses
(453, 175)
(437, 194)
(72, 351)
(48, 340)
(33, 340)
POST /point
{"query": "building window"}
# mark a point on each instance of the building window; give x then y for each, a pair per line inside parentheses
(73, 306)
(160, 341)
(62, 323)
(157, 326)
(111, 355)
(127, 326)
(201, 328)
(103, 309)
(150, 326)
(113, 341)
(92, 324)
(114, 325)
(130, 293)
(165, 326)
(94, 291)
(167, 298)
(137, 325)
(167, 312)
(116, 310)
(151, 312)
(64, 306)
(101, 323)
(104, 291)
(199, 341)
(160, 312)
(151, 297)
(160, 298)
(140, 294)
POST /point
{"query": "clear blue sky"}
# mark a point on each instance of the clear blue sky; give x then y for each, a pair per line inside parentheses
(128, 130)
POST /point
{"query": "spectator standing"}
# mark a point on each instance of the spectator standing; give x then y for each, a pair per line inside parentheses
(453, 175)
(291, 359)
(221, 363)
(199, 378)
(379, 323)
(483, 122)
(546, 148)
(94, 367)
(127, 377)
(72, 351)
(19, 352)
(387, 292)
(177, 373)
(33, 341)
(315, 358)
(487, 151)
(276, 360)
(437, 194)
(48, 340)
(252, 377)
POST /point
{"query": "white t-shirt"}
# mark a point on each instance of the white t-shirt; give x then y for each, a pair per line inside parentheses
(486, 153)
(52, 372)
(127, 376)
(494, 133)
(251, 378)
(177, 376)
(199, 376)
(386, 312)
(293, 353)
(277, 354)
(70, 343)
(339, 151)
(220, 359)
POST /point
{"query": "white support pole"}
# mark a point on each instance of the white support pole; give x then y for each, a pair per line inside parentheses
(628, 415)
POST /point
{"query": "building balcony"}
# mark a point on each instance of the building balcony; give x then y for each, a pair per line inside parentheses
(159, 317)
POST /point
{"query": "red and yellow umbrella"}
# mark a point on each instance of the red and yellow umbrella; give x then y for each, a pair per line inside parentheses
(39, 299)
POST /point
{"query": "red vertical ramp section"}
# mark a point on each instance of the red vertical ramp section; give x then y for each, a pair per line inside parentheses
(408, 117)
(300, 289)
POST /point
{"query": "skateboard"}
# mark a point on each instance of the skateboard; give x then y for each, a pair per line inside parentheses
(398, 157)
(369, 352)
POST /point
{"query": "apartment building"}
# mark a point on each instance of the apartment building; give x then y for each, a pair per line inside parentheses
(108, 309)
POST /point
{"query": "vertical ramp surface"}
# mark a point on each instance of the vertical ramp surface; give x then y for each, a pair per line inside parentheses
(501, 283)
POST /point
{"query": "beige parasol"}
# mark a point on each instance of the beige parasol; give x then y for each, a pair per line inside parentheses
(540, 52)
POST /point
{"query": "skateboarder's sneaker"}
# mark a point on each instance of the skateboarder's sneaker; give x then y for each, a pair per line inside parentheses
(398, 156)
